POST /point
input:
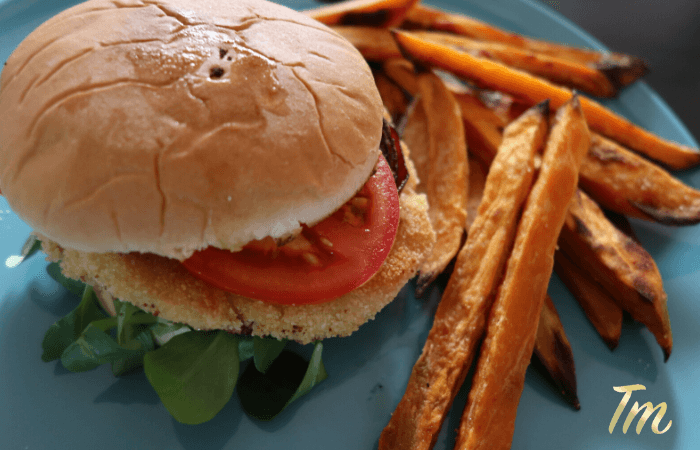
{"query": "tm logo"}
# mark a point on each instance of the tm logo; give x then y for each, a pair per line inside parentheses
(648, 408)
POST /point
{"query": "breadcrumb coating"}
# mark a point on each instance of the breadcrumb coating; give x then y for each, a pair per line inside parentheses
(163, 287)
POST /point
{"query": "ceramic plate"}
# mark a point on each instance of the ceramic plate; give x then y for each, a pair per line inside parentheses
(42, 406)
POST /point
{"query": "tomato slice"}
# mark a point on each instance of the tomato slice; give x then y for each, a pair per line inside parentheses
(325, 261)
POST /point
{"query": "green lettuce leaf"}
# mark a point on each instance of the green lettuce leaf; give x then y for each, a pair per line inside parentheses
(264, 395)
(132, 326)
(66, 330)
(163, 330)
(74, 286)
(265, 351)
(194, 374)
(30, 247)
(246, 348)
(95, 347)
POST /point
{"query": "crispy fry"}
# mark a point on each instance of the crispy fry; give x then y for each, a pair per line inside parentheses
(375, 44)
(620, 265)
(483, 127)
(483, 134)
(602, 311)
(478, 170)
(553, 349)
(619, 68)
(394, 98)
(622, 181)
(461, 316)
(552, 346)
(416, 136)
(559, 71)
(435, 134)
(496, 76)
(401, 71)
(376, 13)
(618, 179)
(446, 183)
(489, 418)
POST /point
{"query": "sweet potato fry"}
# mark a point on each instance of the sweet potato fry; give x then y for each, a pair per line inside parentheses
(530, 89)
(483, 127)
(483, 134)
(489, 417)
(616, 178)
(620, 265)
(602, 311)
(553, 350)
(436, 128)
(461, 316)
(478, 170)
(626, 183)
(394, 98)
(416, 136)
(619, 68)
(559, 71)
(375, 13)
(446, 183)
(552, 347)
(401, 72)
(375, 44)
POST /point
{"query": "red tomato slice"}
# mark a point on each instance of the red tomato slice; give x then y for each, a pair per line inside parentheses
(324, 262)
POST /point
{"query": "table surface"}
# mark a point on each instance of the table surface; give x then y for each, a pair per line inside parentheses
(665, 33)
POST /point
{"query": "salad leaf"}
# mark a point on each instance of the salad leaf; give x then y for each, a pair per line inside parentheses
(162, 331)
(66, 330)
(265, 351)
(264, 395)
(132, 324)
(95, 347)
(54, 271)
(194, 374)
(315, 373)
(245, 348)
(30, 246)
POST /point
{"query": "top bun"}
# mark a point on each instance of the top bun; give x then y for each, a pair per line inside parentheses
(166, 126)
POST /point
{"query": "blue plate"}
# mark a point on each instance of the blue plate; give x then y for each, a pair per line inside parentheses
(43, 406)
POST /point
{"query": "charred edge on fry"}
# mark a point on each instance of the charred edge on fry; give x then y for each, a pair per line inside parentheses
(379, 18)
(665, 217)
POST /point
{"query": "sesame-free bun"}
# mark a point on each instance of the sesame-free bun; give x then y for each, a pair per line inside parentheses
(166, 126)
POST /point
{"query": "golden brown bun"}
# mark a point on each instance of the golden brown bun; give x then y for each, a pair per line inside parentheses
(164, 287)
(166, 126)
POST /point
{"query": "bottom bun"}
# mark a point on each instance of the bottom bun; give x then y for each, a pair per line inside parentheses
(165, 288)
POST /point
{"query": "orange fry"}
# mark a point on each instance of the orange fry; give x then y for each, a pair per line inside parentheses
(402, 73)
(446, 183)
(622, 181)
(552, 346)
(416, 136)
(376, 13)
(618, 179)
(393, 97)
(620, 265)
(478, 170)
(602, 311)
(461, 316)
(619, 68)
(553, 350)
(375, 44)
(489, 418)
(496, 76)
(559, 71)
